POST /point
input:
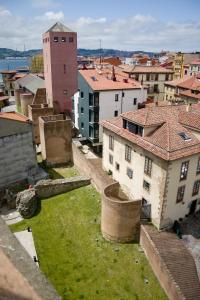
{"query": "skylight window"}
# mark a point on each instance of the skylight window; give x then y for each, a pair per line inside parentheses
(184, 136)
(93, 78)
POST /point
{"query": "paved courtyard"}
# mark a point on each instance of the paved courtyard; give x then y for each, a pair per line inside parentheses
(191, 237)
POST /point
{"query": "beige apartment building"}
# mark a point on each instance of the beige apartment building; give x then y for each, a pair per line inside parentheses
(153, 77)
(186, 89)
(154, 153)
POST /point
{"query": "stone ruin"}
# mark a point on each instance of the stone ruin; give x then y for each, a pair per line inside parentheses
(27, 201)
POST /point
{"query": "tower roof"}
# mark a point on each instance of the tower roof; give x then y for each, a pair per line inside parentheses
(59, 27)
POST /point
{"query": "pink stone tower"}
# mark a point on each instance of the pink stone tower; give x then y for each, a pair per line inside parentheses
(60, 67)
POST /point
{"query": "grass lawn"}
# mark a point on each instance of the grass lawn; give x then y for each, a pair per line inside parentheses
(78, 261)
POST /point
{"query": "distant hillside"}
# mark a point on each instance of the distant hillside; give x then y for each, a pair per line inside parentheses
(5, 52)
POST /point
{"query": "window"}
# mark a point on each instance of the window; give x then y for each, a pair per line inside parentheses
(180, 194)
(117, 166)
(123, 94)
(116, 113)
(148, 77)
(196, 186)
(82, 95)
(156, 77)
(198, 166)
(63, 39)
(64, 68)
(127, 153)
(116, 97)
(71, 39)
(129, 173)
(184, 136)
(82, 110)
(184, 170)
(166, 77)
(135, 101)
(111, 142)
(148, 166)
(155, 88)
(146, 185)
(82, 125)
(55, 39)
(110, 159)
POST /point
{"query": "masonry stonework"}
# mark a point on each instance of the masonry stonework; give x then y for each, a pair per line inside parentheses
(120, 216)
(56, 139)
(34, 112)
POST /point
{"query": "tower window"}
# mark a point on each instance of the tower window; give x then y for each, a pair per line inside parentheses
(55, 39)
(71, 39)
(116, 113)
(64, 68)
(63, 39)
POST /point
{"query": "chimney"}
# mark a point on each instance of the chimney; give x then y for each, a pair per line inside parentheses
(188, 107)
(113, 74)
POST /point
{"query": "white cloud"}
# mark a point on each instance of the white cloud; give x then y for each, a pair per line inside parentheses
(51, 16)
(4, 12)
(138, 32)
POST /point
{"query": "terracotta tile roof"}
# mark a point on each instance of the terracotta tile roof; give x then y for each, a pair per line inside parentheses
(177, 81)
(191, 95)
(3, 98)
(191, 83)
(195, 62)
(165, 141)
(14, 116)
(100, 80)
(147, 69)
(8, 71)
(177, 261)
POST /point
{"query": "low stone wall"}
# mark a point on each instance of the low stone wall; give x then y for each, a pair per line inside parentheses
(171, 262)
(49, 188)
(120, 216)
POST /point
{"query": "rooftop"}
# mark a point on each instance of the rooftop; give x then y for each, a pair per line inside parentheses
(59, 27)
(171, 138)
(31, 83)
(187, 82)
(147, 69)
(195, 62)
(14, 116)
(101, 80)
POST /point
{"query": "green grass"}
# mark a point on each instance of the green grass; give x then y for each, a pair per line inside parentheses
(57, 172)
(78, 261)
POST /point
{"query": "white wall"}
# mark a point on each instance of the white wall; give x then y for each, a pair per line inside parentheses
(108, 105)
(76, 113)
(174, 211)
(134, 186)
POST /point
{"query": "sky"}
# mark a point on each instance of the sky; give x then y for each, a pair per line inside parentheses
(149, 25)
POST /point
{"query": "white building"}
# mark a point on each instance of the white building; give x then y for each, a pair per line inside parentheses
(194, 67)
(103, 93)
(154, 153)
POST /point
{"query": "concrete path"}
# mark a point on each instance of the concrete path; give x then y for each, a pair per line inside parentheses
(26, 240)
(10, 216)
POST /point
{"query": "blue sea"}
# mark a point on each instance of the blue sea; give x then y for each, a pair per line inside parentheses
(12, 64)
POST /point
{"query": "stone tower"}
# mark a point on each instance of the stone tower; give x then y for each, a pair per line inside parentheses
(60, 67)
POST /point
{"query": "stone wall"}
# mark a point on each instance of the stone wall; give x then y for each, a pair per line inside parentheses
(34, 112)
(17, 157)
(171, 262)
(20, 277)
(120, 215)
(91, 168)
(40, 96)
(56, 139)
(25, 99)
(49, 188)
